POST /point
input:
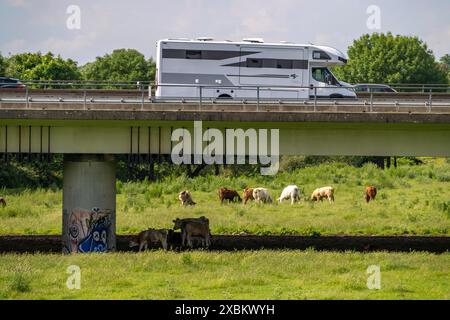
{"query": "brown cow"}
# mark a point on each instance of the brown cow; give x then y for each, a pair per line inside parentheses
(2, 202)
(146, 237)
(247, 195)
(228, 194)
(370, 193)
(193, 227)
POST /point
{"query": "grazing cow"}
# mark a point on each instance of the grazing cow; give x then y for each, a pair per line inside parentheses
(150, 236)
(290, 192)
(191, 228)
(228, 194)
(186, 198)
(370, 193)
(324, 192)
(174, 240)
(247, 195)
(2, 202)
(262, 195)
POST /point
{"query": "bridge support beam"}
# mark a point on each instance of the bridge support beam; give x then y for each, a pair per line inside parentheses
(89, 203)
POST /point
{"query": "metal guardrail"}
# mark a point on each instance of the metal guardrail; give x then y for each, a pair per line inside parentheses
(140, 94)
(419, 87)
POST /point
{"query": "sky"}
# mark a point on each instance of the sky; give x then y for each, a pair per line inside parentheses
(105, 25)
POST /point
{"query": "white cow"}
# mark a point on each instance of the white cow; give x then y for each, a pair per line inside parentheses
(290, 192)
(262, 195)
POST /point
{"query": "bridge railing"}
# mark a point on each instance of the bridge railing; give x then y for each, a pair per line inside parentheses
(92, 92)
(130, 85)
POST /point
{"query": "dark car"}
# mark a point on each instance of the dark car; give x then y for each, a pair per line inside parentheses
(6, 82)
(368, 87)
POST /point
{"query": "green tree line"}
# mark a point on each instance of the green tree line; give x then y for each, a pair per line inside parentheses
(374, 58)
(122, 65)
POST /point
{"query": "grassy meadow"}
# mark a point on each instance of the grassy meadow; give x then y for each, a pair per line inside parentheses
(411, 200)
(226, 275)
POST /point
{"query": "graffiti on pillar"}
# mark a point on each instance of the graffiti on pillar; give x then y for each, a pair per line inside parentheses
(88, 230)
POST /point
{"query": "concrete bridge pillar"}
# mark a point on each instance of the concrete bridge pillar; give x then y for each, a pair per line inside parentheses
(89, 203)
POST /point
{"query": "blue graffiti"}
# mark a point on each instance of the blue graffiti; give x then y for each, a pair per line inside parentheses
(96, 241)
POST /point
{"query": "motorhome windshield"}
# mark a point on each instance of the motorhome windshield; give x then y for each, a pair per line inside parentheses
(324, 75)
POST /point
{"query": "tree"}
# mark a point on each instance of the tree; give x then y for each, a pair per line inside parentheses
(121, 65)
(384, 58)
(44, 67)
(36, 66)
(3, 62)
(446, 60)
(445, 65)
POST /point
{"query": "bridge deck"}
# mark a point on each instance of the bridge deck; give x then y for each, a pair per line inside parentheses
(161, 114)
(134, 100)
(113, 125)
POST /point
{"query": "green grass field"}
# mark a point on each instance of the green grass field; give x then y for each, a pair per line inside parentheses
(226, 275)
(410, 200)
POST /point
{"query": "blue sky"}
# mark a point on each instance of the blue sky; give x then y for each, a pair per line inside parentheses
(28, 25)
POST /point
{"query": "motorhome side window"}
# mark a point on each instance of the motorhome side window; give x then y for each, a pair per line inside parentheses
(269, 63)
(320, 55)
(193, 54)
(254, 63)
(324, 75)
(284, 64)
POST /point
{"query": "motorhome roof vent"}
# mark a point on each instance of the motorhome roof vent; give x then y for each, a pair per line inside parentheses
(205, 39)
(253, 40)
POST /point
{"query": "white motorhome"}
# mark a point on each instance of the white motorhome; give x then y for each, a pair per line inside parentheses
(226, 69)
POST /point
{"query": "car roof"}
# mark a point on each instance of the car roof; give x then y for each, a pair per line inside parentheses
(371, 85)
(9, 78)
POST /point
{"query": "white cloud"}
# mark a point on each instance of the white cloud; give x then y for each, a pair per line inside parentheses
(106, 25)
(18, 3)
(14, 46)
(70, 45)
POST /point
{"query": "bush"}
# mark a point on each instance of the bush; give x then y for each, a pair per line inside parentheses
(20, 283)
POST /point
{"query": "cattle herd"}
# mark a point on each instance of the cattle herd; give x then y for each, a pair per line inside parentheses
(261, 195)
(197, 229)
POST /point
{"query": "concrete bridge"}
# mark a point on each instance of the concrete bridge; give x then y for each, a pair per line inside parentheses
(89, 133)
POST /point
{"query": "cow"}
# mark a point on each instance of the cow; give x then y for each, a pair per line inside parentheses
(174, 240)
(202, 219)
(228, 194)
(290, 192)
(185, 198)
(370, 193)
(261, 195)
(150, 236)
(324, 192)
(247, 194)
(191, 228)
(2, 202)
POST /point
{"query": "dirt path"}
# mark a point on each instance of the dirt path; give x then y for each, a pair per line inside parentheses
(52, 243)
